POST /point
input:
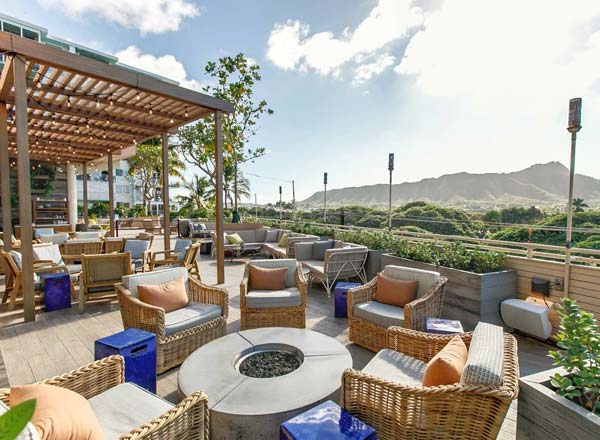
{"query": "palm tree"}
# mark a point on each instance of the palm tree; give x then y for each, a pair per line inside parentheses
(579, 205)
(243, 186)
(197, 193)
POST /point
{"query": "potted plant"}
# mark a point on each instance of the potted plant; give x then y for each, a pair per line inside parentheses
(477, 279)
(565, 402)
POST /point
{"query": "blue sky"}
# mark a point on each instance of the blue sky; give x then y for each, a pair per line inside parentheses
(472, 85)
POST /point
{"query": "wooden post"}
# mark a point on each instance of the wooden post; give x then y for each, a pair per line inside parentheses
(5, 178)
(165, 191)
(24, 170)
(84, 176)
(111, 196)
(220, 253)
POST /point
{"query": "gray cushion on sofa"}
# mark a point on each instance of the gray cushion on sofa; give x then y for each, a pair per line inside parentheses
(486, 356)
(383, 315)
(125, 407)
(262, 299)
(190, 316)
(153, 278)
(271, 235)
(319, 249)
(396, 367)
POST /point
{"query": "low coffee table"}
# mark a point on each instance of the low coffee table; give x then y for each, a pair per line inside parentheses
(254, 407)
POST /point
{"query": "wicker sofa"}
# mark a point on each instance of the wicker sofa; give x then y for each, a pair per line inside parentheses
(388, 393)
(285, 308)
(368, 319)
(180, 332)
(128, 412)
(343, 261)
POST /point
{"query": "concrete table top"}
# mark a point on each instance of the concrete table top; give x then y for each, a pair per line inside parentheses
(256, 406)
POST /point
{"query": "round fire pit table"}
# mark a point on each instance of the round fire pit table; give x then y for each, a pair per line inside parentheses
(285, 372)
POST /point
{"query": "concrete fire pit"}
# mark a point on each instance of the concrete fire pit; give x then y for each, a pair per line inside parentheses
(311, 366)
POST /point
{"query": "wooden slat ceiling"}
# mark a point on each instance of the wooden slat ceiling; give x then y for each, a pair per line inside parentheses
(77, 116)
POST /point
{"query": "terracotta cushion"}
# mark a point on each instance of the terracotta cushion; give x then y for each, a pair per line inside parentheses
(395, 292)
(263, 278)
(446, 367)
(170, 296)
(60, 414)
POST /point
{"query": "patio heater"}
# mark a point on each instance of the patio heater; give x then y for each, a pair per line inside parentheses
(390, 169)
(573, 127)
(280, 206)
(325, 198)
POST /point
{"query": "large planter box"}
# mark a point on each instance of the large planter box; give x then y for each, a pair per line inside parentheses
(469, 297)
(373, 263)
(544, 415)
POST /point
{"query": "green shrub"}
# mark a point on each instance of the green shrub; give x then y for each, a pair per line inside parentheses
(579, 341)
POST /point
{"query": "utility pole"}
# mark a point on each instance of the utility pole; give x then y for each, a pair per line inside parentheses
(573, 127)
(255, 207)
(325, 198)
(280, 206)
(294, 196)
(390, 169)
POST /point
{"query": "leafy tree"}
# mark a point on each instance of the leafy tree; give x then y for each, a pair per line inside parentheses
(98, 209)
(579, 205)
(235, 79)
(197, 188)
(146, 166)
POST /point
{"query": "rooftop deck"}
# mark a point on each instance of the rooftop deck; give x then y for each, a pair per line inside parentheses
(64, 340)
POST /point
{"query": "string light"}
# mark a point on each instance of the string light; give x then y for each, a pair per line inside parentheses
(150, 111)
(53, 118)
(171, 118)
(137, 96)
(107, 120)
(186, 112)
(111, 100)
(87, 123)
(97, 102)
(38, 84)
(134, 141)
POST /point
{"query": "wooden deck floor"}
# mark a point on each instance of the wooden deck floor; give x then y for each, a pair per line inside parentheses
(63, 340)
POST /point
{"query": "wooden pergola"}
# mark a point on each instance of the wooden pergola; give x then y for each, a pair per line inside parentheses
(63, 108)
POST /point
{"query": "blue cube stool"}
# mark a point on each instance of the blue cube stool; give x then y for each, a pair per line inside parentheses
(57, 291)
(340, 296)
(138, 347)
(326, 421)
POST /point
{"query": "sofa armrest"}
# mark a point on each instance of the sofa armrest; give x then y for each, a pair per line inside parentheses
(429, 305)
(303, 250)
(188, 419)
(201, 293)
(418, 344)
(360, 295)
(89, 380)
(291, 245)
(137, 314)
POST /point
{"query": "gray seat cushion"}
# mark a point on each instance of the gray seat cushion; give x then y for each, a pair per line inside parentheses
(315, 266)
(396, 367)
(272, 235)
(126, 407)
(190, 316)
(383, 315)
(136, 248)
(486, 356)
(74, 268)
(263, 299)
(319, 248)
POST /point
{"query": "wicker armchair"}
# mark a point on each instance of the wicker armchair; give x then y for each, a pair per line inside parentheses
(72, 250)
(345, 260)
(177, 335)
(99, 274)
(14, 275)
(405, 409)
(257, 308)
(113, 245)
(368, 320)
(104, 380)
(178, 258)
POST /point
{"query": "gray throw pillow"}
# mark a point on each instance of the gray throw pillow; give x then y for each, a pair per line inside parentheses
(272, 235)
(319, 249)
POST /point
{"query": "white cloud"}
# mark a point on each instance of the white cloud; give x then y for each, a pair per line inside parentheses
(149, 16)
(365, 72)
(291, 46)
(166, 65)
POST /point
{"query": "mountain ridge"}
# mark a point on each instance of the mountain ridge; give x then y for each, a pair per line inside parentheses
(540, 185)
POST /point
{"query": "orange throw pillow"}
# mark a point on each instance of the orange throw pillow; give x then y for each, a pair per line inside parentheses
(170, 296)
(263, 278)
(60, 414)
(446, 367)
(395, 292)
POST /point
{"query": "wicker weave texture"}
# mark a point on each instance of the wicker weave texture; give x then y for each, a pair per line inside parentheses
(172, 350)
(294, 316)
(457, 411)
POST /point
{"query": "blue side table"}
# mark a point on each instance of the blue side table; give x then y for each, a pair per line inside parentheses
(326, 421)
(57, 291)
(138, 347)
(340, 296)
